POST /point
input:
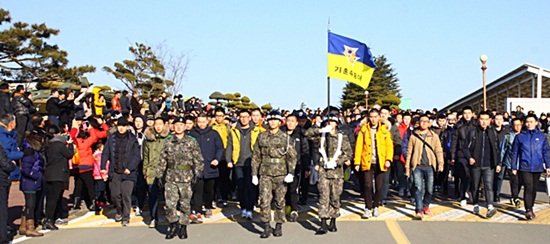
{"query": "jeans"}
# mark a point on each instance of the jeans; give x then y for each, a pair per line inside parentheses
(497, 183)
(121, 195)
(487, 174)
(153, 199)
(424, 184)
(32, 204)
(401, 178)
(100, 188)
(247, 191)
(530, 180)
(386, 185)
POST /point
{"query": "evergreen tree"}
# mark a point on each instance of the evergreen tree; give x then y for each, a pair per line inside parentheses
(25, 55)
(384, 82)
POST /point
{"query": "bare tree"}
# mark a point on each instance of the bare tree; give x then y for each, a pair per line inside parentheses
(175, 65)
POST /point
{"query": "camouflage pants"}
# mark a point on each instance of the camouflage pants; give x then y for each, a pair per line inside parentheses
(329, 197)
(178, 193)
(268, 185)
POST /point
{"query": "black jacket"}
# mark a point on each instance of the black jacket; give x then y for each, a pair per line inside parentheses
(56, 167)
(473, 147)
(211, 146)
(301, 144)
(54, 106)
(133, 156)
(5, 103)
(21, 105)
(458, 141)
(6, 165)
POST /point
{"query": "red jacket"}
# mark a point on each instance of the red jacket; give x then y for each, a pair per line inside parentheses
(115, 104)
(84, 146)
(402, 131)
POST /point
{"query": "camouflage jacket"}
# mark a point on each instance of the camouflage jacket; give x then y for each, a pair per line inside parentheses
(180, 160)
(346, 153)
(274, 154)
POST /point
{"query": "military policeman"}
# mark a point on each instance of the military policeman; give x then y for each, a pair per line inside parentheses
(273, 161)
(180, 164)
(334, 151)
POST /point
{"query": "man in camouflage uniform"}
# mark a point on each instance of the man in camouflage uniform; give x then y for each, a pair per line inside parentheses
(180, 164)
(274, 160)
(332, 157)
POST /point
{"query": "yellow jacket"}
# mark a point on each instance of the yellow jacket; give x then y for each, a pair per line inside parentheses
(363, 147)
(236, 141)
(223, 130)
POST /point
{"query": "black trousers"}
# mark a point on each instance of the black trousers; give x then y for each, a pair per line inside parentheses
(530, 181)
(462, 173)
(84, 183)
(291, 197)
(226, 185)
(4, 193)
(442, 178)
(140, 190)
(54, 197)
(304, 186)
(32, 204)
(203, 193)
(376, 175)
(515, 183)
(22, 125)
(121, 195)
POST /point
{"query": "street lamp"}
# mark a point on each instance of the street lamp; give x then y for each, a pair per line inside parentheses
(483, 60)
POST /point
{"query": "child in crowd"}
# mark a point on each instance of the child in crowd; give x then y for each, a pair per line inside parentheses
(100, 179)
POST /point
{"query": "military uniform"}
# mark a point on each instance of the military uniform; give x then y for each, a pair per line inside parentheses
(273, 160)
(331, 180)
(180, 163)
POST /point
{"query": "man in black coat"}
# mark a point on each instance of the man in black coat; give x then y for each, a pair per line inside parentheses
(6, 167)
(458, 160)
(301, 145)
(482, 151)
(123, 153)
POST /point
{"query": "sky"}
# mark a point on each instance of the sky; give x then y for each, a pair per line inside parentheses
(276, 51)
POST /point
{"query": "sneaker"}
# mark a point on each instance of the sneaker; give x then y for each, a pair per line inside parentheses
(529, 215)
(427, 211)
(118, 217)
(491, 212)
(243, 213)
(60, 222)
(193, 217)
(208, 213)
(125, 223)
(249, 215)
(463, 203)
(199, 219)
(152, 224)
(476, 210)
(293, 216)
(384, 203)
(419, 215)
(137, 211)
(376, 213)
(401, 192)
(367, 214)
(517, 203)
(224, 203)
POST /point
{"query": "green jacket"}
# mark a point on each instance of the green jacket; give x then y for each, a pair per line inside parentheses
(152, 151)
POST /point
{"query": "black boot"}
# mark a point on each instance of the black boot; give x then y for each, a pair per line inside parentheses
(267, 231)
(332, 225)
(49, 225)
(173, 231)
(182, 234)
(278, 230)
(323, 229)
(77, 203)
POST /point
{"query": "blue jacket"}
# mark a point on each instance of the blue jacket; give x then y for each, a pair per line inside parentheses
(530, 151)
(32, 169)
(7, 138)
(505, 148)
(211, 146)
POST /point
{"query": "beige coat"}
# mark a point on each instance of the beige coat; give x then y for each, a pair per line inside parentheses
(414, 151)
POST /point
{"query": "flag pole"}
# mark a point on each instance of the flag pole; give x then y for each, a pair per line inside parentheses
(328, 105)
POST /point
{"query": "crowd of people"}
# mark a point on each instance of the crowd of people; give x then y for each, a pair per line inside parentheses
(132, 152)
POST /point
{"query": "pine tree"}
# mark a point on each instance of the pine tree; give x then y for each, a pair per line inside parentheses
(384, 82)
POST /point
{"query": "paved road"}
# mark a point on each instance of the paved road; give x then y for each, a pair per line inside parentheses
(448, 222)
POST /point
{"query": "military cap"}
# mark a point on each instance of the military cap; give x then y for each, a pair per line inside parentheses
(178, 120)
(332, 117)
(274, 114)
